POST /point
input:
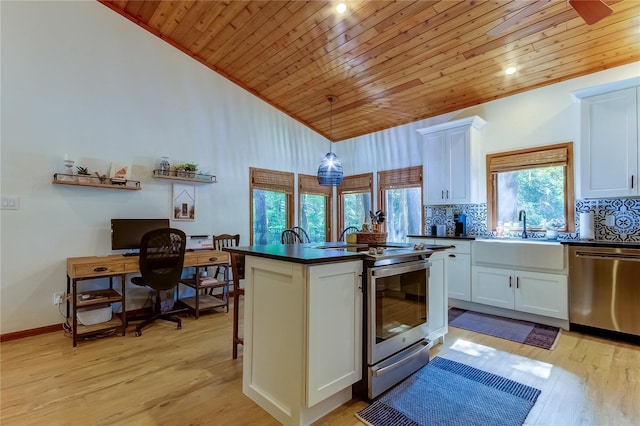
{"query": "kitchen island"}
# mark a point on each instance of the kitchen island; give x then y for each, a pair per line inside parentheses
(302, 328)
(303, 320)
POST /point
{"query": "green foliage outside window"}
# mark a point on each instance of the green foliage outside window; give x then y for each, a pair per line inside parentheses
(269, 216)
(404, 213)
(356, 209)
(538, 191)
(313, 216)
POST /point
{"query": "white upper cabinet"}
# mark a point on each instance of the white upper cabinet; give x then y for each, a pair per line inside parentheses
(609, 144)
(452, 161)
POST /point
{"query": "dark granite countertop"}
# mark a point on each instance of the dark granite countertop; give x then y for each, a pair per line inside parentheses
(315, 253)
(601, 243)
(301, 253)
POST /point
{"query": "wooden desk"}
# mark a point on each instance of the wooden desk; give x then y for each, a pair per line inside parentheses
(91, 267)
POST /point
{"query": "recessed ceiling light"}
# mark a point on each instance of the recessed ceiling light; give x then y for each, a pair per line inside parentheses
(341, 8)
(510, 70)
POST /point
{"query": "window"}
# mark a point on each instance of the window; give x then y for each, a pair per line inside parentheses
(538, 181)
(400, 198)
(315, 208)
(355, 197)
(271, 208)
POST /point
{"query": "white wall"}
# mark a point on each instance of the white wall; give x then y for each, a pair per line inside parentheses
(77, 78)
(543, 116)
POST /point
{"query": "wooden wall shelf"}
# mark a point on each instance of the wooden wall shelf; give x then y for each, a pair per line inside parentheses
(191, 177)
(95, 182)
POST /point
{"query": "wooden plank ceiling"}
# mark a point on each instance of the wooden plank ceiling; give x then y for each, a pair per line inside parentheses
(389, 62)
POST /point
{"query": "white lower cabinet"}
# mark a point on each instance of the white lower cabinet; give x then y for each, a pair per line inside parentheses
(526, 291)
(458, 271)
(302, 337)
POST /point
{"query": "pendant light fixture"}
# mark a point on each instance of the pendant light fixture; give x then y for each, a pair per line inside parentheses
(330, 169)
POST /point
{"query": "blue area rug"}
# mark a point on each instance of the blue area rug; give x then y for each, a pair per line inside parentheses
(529, 333)
(446, 392)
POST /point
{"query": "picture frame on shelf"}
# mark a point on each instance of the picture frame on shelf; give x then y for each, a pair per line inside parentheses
(184, 202)
(120, 172)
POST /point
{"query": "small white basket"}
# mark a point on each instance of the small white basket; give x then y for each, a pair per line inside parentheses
(94, 315)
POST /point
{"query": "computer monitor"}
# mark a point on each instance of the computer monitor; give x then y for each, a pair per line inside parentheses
(127, 233)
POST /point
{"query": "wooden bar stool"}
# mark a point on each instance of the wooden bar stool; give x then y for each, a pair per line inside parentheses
(237, 269)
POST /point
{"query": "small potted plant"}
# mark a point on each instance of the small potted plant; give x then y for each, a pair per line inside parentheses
(191, 170)
(83, 174)
(181, 170)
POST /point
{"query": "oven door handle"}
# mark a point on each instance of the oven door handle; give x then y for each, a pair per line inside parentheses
(379, 371)
(402, 268)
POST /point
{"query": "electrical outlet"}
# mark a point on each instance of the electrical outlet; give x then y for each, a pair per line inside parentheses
(610, 220)
(58, 297)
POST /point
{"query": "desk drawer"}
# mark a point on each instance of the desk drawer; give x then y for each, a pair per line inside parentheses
(207, 259)
(97, 270)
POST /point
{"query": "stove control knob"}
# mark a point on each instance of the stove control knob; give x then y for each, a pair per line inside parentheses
(380, 250)
(372, 250)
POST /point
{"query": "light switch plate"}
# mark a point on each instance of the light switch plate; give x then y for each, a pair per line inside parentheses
(449, 211)
(10, 202)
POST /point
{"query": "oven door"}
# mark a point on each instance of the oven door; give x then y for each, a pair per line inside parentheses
(397, 307)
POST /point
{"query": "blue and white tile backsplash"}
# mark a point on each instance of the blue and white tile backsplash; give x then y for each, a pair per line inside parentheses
(614, 219)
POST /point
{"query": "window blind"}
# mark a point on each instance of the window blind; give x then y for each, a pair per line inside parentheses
(271, 180)
(556, 155)
(308, 184)
(409, 177)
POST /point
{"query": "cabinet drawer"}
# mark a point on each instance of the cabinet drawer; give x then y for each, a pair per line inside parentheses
(459, 246)
(97, 270)
(208, 259)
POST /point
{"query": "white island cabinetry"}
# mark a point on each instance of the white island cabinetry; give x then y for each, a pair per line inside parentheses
(302, 339)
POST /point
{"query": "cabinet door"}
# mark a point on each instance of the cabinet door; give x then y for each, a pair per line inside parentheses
(437, 297)
(334, 315)
(542, 294)
(458, 275)
(609, 145)
(435, 169)
(492, 286)
(459, 170)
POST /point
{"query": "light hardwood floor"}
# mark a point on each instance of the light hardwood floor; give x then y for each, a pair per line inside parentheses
(187, 377)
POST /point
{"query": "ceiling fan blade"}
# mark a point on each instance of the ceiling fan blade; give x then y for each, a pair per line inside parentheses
(529, 9)
(591, 10)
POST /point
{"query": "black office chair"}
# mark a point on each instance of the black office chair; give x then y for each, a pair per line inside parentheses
(161, 262)
(289, 236)
(347, 230)
(304, 237)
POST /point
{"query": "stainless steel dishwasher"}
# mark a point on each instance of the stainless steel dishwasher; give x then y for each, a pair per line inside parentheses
(604, 291)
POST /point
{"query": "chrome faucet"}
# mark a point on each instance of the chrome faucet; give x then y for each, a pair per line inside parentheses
(522, 217)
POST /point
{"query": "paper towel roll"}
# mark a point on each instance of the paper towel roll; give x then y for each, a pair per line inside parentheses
(586, 226)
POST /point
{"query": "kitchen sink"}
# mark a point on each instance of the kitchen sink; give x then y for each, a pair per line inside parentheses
(520, 240)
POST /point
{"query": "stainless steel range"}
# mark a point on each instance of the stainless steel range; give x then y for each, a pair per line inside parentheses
(395, 326)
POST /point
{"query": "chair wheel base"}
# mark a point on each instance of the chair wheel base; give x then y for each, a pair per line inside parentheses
(138, 333)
